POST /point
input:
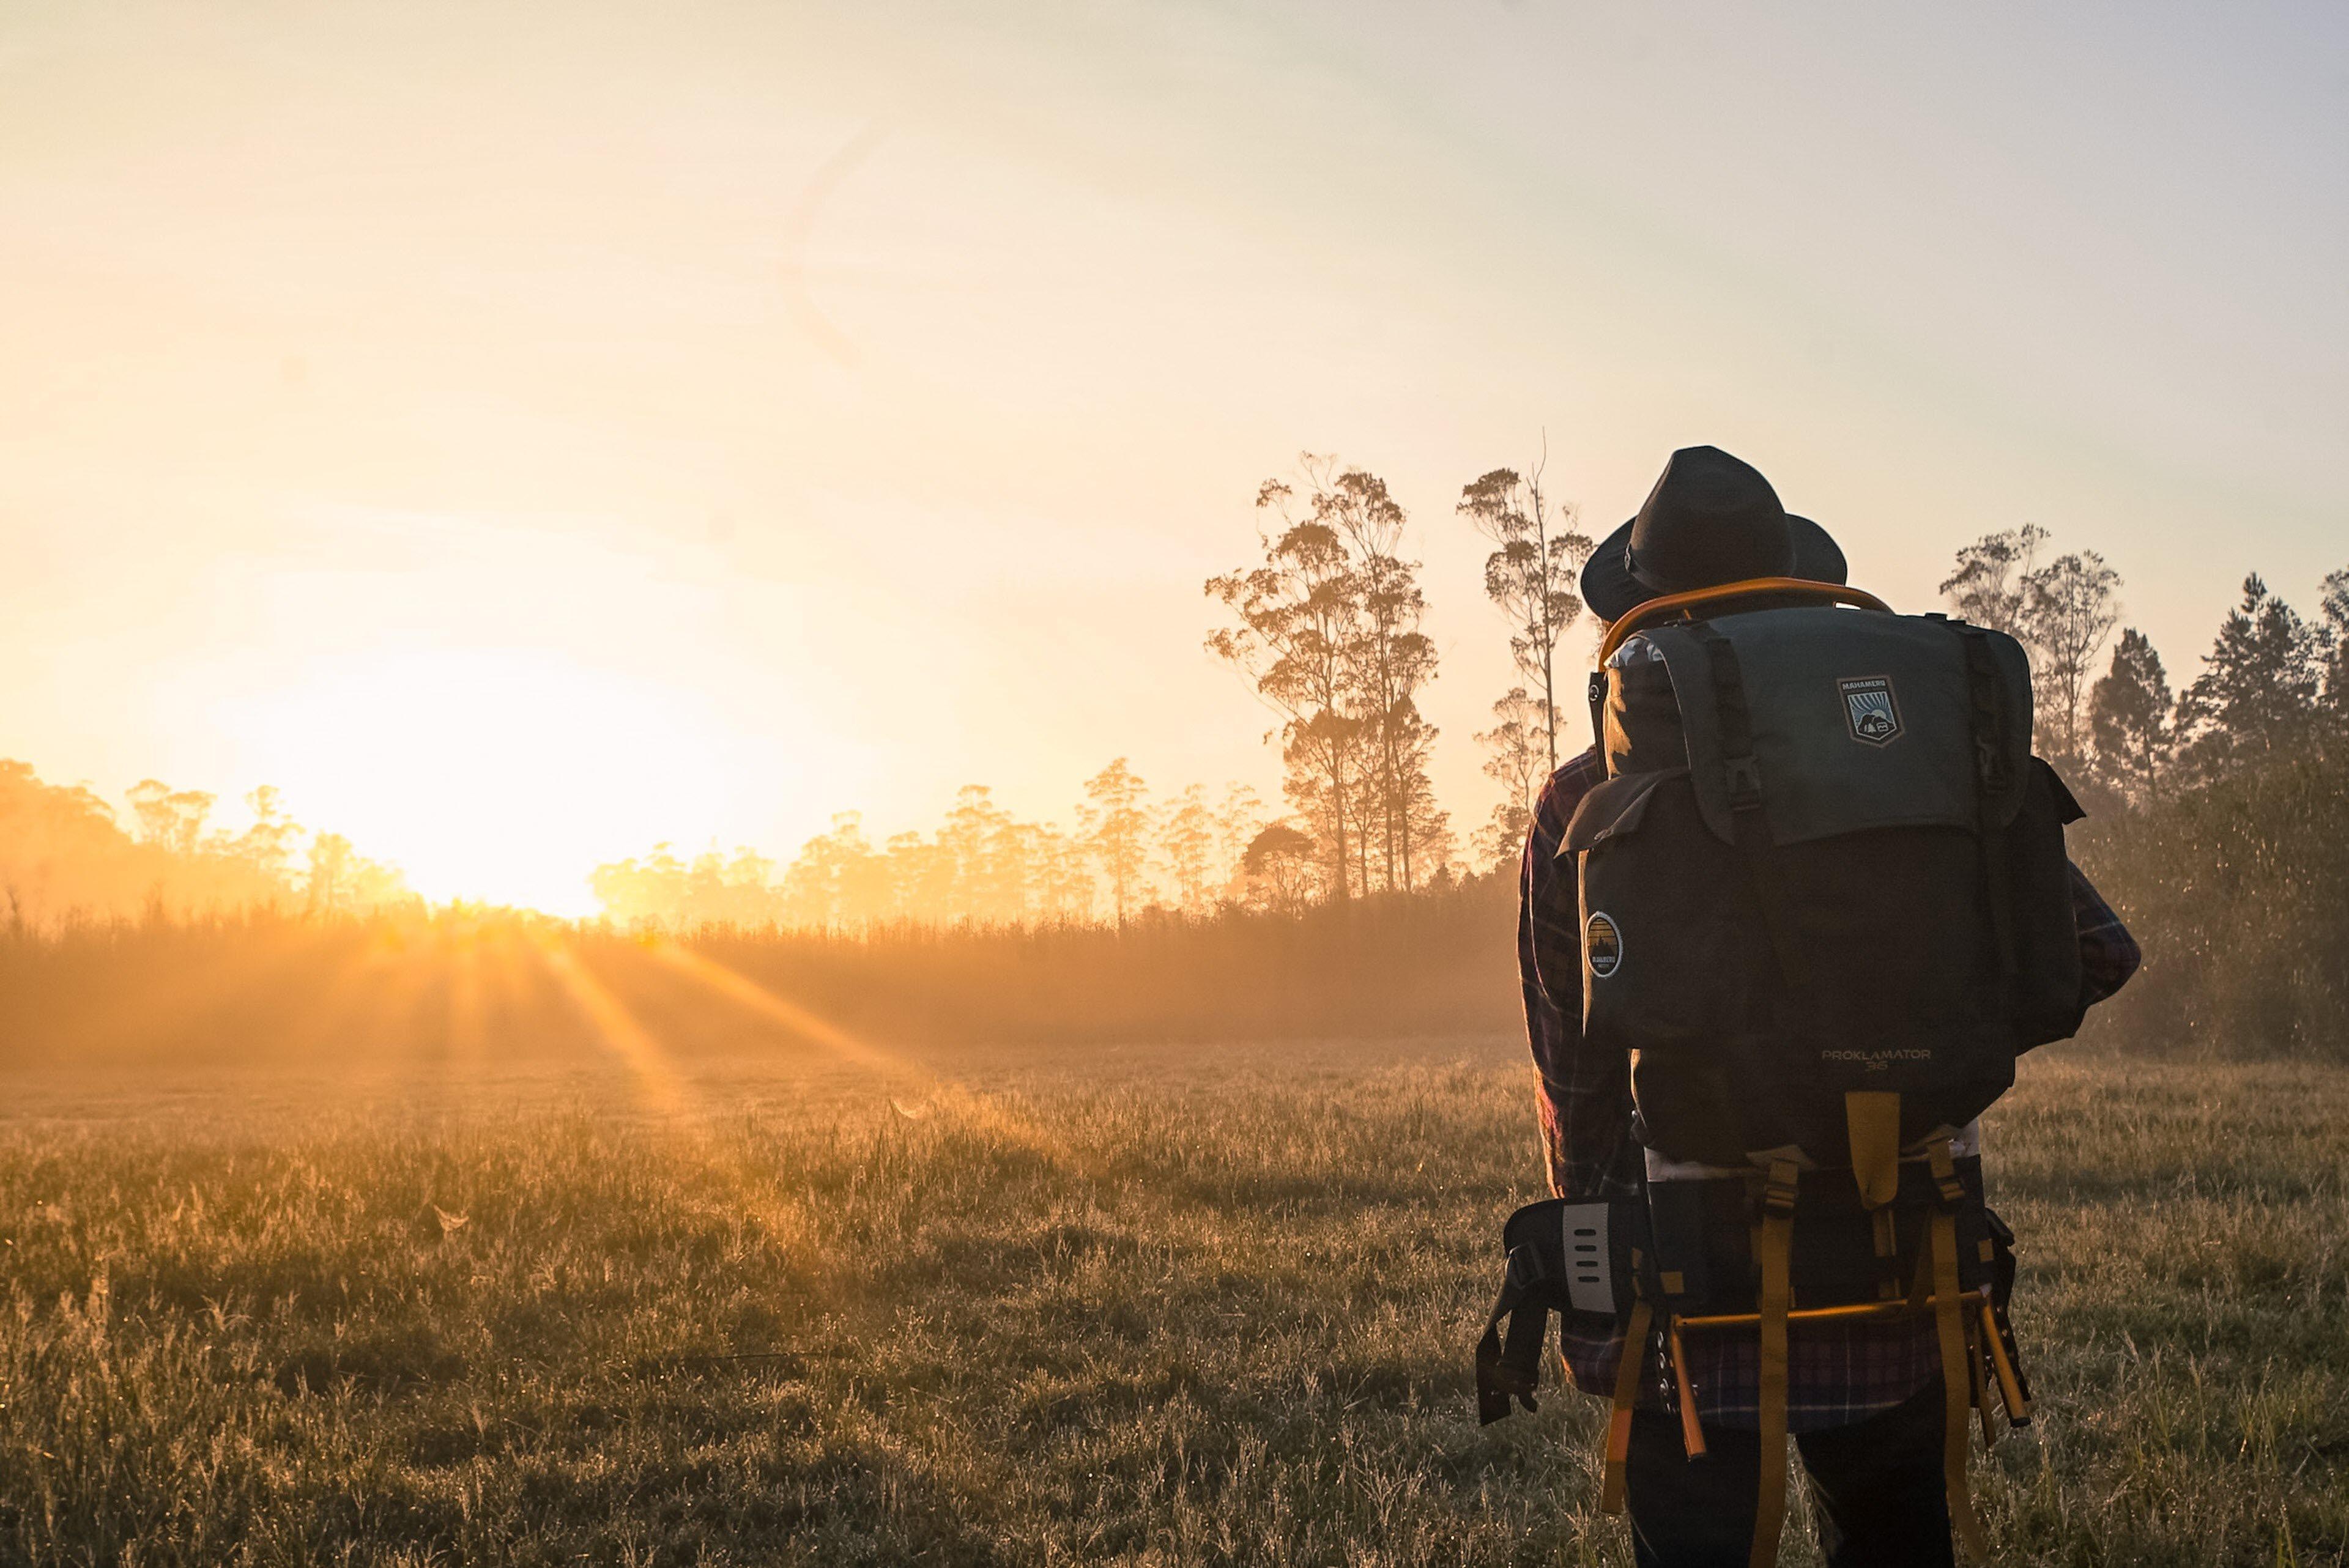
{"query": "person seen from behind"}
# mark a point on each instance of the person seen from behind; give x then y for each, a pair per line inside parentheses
(1863, 1397)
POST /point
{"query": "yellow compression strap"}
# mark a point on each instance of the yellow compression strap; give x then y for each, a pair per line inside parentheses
(1957, 1384)
(2010, 1383)
(1872, 1121)
(1977, 1368)
(1691, 1434)
(1777, 1248)
(1618, 1420)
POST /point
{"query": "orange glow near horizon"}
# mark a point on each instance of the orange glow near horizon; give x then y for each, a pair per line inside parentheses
(493, 775)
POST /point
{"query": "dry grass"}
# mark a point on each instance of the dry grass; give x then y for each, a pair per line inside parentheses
(1101, 1307)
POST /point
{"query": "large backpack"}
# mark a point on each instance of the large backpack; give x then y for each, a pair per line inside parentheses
(1825, 905)
(1824, 862)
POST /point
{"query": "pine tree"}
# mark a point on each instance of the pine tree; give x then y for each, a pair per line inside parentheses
(2130, 719)
(2256, 698)
(2335, 611)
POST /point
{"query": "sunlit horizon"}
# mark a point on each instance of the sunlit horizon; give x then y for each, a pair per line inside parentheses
(519, 471)
(483, 774)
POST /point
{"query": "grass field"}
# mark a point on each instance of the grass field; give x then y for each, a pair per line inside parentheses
(1204, 1305)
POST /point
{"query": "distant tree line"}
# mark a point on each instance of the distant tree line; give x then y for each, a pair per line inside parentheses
(2219, 826)
(2230, 856)
(2274, 686)
(66, 855)
(2218, 815)
(1327, 625)
(982, 866)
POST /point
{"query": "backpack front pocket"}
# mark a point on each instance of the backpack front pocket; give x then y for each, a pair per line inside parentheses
(1668, 954)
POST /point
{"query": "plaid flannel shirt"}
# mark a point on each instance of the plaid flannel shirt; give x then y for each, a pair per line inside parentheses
(1837, 1373)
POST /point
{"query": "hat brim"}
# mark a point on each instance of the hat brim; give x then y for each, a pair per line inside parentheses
(1609, 589)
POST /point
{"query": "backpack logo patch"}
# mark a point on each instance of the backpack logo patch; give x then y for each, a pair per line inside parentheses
(1869, 710)
(1602, 943)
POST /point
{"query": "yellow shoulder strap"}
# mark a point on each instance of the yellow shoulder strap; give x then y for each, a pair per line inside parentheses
(1777, 1248)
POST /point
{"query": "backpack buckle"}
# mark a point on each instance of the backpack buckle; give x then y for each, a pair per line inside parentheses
(1745, 776)
(1526, 1268)
(1944, 1164)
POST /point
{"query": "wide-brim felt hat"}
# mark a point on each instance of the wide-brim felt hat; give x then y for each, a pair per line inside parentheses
(1711, 519)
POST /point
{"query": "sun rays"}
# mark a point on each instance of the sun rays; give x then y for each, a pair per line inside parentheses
(715, 1136)
(444, 1002)
(663, 1086)
(658, 1085)
(955, 1099)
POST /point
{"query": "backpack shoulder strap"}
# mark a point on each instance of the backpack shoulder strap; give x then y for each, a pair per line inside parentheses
(1741, 779)
(1996, 791)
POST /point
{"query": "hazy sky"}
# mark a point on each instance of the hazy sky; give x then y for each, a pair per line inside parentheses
(526, 433)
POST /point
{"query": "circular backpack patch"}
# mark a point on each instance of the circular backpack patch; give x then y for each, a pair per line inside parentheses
(1602, 943)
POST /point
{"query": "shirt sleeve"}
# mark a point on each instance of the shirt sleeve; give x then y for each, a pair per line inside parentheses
(2108, 953)
(1583, 1093)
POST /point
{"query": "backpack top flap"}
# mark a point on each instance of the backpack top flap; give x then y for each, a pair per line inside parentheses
(1614, 806)
(1859, 720)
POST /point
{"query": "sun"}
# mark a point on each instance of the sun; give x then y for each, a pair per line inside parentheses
(502, 775)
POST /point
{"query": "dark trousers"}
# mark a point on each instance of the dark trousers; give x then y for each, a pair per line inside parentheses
(1875, 1492)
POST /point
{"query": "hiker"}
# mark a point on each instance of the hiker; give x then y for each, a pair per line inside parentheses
(1865, 1396)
